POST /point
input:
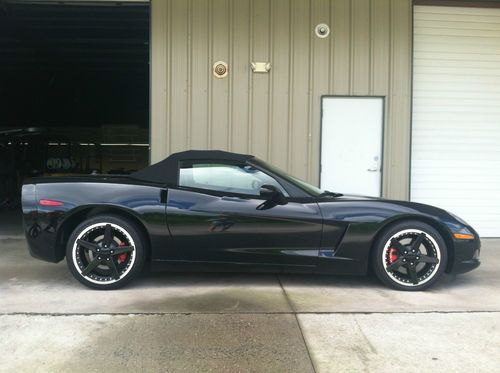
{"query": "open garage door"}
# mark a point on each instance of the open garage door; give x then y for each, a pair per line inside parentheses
(74, 91)
(456, 113)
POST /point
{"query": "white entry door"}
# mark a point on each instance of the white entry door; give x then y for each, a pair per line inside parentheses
(351, 145)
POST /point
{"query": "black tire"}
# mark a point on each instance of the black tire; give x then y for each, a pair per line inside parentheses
(409, 256)
(105, 252)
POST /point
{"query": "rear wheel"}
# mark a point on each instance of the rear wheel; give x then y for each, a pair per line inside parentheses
(105, 252)
(410, 256)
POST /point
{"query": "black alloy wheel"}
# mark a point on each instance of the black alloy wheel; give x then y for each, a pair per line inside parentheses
(105, 252)
(410, 256)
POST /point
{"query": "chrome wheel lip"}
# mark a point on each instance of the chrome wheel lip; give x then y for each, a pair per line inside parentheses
(103, 225)
(388, 245)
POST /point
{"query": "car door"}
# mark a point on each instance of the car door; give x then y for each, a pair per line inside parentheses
(216, 214)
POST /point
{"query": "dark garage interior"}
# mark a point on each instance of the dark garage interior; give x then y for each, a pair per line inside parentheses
(74, 91)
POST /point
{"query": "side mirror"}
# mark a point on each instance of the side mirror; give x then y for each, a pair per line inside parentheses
(273, 194)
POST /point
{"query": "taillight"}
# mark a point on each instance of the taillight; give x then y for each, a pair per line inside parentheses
(49, 202)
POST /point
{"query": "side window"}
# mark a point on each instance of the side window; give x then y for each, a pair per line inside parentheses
(225, 177)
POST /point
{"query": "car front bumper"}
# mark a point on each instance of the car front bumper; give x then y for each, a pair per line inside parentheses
(466, 255)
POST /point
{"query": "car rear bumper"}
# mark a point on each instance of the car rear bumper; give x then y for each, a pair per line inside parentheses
(40, 226)
(41, 237)
(466, 256)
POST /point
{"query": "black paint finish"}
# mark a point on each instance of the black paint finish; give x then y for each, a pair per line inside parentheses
(309, 232)
(232, 229)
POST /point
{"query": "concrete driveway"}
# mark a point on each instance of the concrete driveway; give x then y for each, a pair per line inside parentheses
(245, 322)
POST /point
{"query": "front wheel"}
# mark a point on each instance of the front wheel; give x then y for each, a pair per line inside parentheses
(105, 252)
(410, 256)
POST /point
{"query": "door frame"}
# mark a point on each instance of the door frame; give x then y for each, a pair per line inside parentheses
(384, 107)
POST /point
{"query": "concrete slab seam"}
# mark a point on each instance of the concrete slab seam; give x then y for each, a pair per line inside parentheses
(298, 322)
(240, 313)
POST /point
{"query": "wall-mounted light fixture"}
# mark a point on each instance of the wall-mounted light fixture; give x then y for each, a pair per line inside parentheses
(322, 30)
(260, 67)
(220, 69)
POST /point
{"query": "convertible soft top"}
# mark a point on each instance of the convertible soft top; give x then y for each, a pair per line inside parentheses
(165, 172)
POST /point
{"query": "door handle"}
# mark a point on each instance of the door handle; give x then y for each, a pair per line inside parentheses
(230, 198)
(372, 169)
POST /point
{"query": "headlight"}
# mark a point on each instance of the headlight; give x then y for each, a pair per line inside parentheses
(462, 233)
(459, 219)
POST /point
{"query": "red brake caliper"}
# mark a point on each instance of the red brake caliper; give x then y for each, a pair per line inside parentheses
(393, 255)
(124, 256)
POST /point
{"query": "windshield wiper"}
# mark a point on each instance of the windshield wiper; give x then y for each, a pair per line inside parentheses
(327, 193)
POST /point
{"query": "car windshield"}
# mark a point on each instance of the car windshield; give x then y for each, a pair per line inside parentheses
(308, 188)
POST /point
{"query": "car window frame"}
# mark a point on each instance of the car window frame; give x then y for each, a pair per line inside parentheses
(219, 193)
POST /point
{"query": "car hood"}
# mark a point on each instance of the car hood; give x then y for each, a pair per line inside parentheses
(372, 209)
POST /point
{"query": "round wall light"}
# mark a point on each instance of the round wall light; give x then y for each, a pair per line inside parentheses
(322, 30)
(220, 69)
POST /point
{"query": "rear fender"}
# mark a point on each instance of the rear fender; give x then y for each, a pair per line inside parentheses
(82, 213)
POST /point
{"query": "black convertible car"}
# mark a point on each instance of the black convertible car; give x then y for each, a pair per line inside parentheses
(227, 211)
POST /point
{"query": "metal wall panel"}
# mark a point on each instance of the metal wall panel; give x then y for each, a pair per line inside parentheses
(277, 115)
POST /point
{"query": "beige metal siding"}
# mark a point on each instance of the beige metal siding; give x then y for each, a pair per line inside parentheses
(276, 116)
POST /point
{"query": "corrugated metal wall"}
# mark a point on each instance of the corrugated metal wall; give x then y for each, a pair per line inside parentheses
(276, 115)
